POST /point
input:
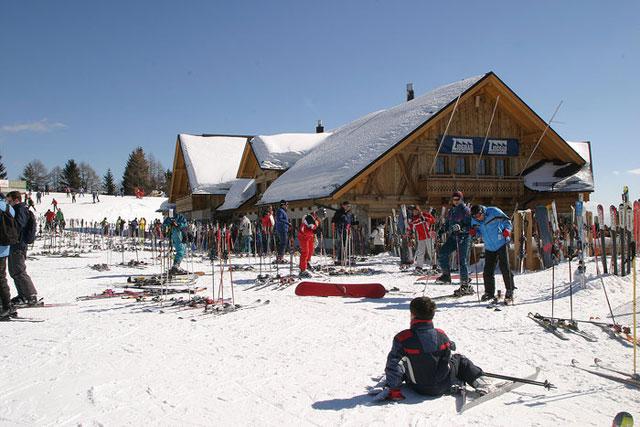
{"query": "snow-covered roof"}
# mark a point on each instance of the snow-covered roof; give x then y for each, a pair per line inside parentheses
(211, 161)
(353, 147)
(560, 177)
(241, 190)
(281, 151)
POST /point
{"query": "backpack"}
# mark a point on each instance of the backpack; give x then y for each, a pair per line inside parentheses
(30, 229)
(8, 229)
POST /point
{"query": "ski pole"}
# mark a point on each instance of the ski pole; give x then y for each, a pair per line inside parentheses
(546, 384)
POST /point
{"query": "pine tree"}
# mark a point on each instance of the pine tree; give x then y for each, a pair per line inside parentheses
(136, 173)
(3, 171)
(108, 184)
(168, 175)
(71, 175)
(35, 174)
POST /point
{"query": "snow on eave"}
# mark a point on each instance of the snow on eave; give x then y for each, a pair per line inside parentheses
(281, 151)
(211, 161)
(354, 147)
(240, 192)
(540, 177)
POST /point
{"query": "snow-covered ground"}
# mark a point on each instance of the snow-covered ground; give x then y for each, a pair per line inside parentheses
(296, 361)
(127, 207)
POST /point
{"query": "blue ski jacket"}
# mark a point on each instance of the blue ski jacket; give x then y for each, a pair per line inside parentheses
(282, 221)
(491, 228)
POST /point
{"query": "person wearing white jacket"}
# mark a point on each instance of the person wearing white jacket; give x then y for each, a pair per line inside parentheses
(377, 238)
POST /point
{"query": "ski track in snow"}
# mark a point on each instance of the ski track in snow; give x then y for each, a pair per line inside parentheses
(295, 361)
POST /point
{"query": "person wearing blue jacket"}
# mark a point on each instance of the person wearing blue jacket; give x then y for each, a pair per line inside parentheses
(282, 230)
(456, 227)
(173, 226)
(6, 311)
(494, 227)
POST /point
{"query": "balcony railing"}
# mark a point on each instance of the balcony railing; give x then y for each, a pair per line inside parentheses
(484, 186)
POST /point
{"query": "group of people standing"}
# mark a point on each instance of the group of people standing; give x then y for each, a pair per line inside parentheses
(455, 232)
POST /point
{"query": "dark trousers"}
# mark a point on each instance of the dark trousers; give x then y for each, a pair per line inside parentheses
(462, 370)
(490, 259)
(18, 272)
(454, 243)
(5, 292)
(282, 241)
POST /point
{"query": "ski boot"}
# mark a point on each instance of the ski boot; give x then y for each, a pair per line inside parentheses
(487, 297)
(508, 297)
(445, 279)
(177, 271)
(304, 275)
(482, 386)
(464, 289)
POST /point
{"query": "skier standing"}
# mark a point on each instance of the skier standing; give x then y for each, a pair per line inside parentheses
(49, 216)
(421, 357)
(27, 293)
(494, 226)
(267, 228)
(173, 228)
(282, 230)
(6, 310)
(377, 239)
(54, 202)
(343, 220)
(456, 228)
(306, 238)
(246, 231)
(421, 223)
(60, 220)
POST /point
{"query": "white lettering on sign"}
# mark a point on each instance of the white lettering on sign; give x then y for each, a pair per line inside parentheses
(497, 147)
(462, 146)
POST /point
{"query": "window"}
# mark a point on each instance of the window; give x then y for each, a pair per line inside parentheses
(461, 166)
(441, 165)
(483, 167)
(501, 167)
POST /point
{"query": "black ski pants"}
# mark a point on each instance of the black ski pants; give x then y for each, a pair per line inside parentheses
(490, 260)
(18, 272)
(462, 371)
(5, 292)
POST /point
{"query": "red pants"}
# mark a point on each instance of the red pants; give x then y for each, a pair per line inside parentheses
(306, 250)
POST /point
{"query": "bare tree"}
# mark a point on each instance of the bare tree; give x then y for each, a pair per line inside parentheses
(36, 175)
(89, 179)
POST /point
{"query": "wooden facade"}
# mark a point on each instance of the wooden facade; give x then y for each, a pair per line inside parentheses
(407, 173)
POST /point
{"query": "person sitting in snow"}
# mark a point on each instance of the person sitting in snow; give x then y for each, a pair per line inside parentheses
(494, 226)
(421, 357)
(306, 237)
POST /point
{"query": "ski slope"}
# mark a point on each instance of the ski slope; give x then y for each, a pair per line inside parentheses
(297, 361)
(127, 207)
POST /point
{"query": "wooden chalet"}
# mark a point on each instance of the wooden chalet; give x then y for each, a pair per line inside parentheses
(204, 170)
(477, 136)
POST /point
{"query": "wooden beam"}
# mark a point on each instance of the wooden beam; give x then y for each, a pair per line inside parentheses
(405, 173)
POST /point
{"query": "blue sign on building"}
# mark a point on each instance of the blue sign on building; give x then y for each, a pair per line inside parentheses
(473, 145)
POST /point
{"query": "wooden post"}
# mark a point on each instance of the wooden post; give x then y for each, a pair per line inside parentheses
(531, 263)
(517, 238)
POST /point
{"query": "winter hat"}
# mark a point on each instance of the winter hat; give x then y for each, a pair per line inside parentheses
(477, 209)
(321, 212)
(457, 194)
(283, 202)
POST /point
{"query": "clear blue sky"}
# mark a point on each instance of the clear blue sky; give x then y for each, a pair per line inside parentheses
(91, 80)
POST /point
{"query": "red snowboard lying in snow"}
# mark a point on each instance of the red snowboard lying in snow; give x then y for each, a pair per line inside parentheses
(353, 290)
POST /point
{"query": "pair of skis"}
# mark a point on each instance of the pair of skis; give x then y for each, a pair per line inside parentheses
(607, 372)
(557, 326)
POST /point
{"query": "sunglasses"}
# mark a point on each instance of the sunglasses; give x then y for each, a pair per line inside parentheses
(456, 199)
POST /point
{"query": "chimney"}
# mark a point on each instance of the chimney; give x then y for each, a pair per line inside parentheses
(409, 91)
(319, 127)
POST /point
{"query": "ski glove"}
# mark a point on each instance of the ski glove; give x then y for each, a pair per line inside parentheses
(389, 394)
(455, 228)
(506, 233)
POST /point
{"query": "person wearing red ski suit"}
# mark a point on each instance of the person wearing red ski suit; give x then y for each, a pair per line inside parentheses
(306, 235)
(421, 223)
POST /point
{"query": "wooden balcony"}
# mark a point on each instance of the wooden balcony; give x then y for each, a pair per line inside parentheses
(484, 186)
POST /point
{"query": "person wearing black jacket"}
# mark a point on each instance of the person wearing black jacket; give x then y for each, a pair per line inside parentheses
(342, 220)
(27, 293)
(421, 357)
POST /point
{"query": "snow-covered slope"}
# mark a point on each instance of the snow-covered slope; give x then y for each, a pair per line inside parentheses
(297, 361)
(111, 207)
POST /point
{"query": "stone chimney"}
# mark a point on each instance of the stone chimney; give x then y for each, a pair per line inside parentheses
(319, 127)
